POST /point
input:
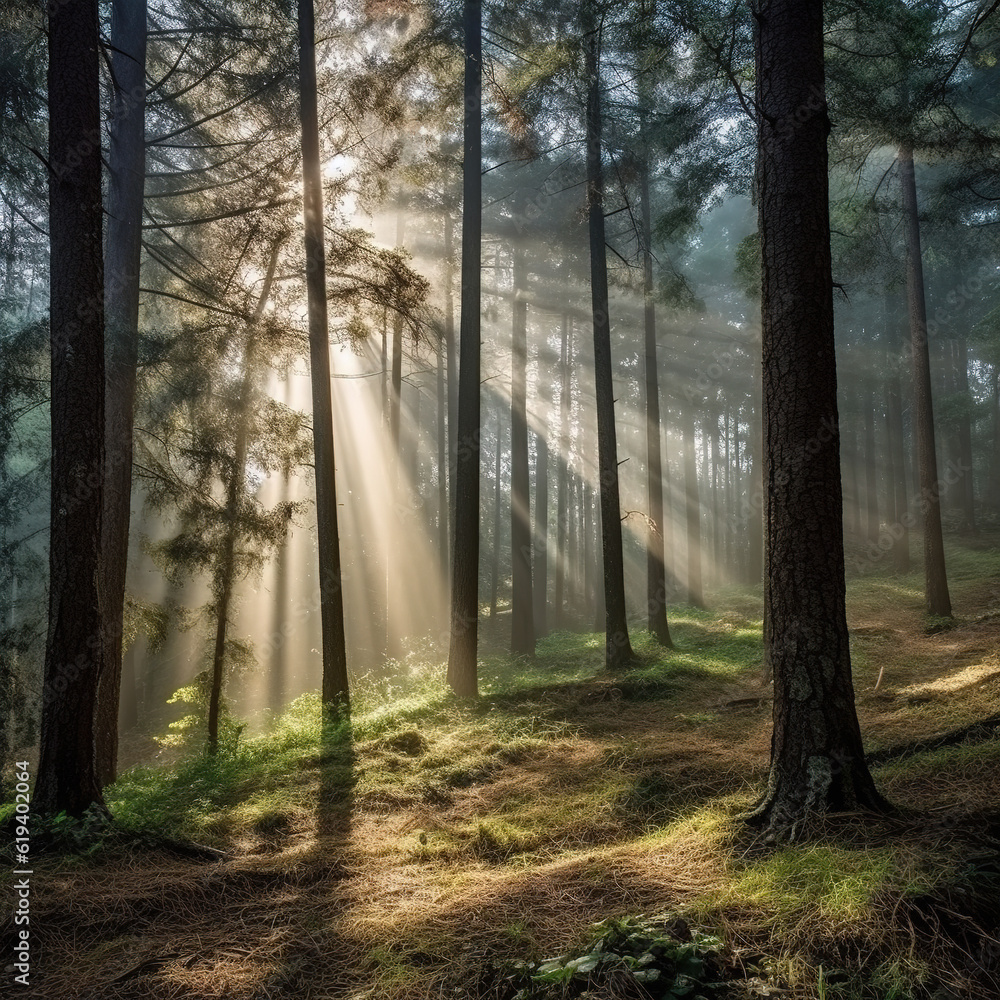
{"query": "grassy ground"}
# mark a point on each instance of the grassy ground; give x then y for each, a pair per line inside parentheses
(410, 856)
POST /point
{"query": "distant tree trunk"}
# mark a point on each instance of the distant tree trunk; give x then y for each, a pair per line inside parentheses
(968, 492)
(897, 446)
(335, 685)
(757, 484)
(563, 546)
(935, 575)
(540, 560)
(225, 577)
(495, 552)
(852, 520)
(449, 332)
(993, 481)
(443, 519)
(462, 666)
(817, 759)
(656, 576)
(618, 649)
(67, 777)
(522, 634)
(872, 521)
(692, 507)
(126, 178)
(717, 556)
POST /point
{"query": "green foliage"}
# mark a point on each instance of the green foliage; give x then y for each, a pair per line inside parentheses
(646, 955)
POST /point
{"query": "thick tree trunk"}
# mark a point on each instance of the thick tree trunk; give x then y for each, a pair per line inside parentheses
(618, 649)
(522, 634)
(935, 575)
(817, 759)
(335, 684)
(67, 777)
(656, 576)
(462, 666)
(126, 178)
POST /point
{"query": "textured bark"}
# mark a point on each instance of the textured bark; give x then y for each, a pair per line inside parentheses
(817, 759)
(656, 576)
(462, 665)
(935, 574)
(335, 684)
(126, 178)
(522, 635)
(618, 649)
(74, 653)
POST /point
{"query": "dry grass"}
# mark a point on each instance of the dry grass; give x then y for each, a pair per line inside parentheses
(471, 836)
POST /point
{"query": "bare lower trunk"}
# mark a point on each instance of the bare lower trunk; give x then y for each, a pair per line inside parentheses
(67, 778)
(692, 508)
(618, 649)
(126, 177)
(817, 759)
(335, 685)
(935, 575)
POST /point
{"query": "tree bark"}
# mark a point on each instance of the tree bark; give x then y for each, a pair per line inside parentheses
(618, 649)
(74, 652)
(335, 694)
(935, 574)
(462, 664)
(126, 179)
(563, 528)
(692, 508)
(817, 759)
(656, 575)
(522, 635)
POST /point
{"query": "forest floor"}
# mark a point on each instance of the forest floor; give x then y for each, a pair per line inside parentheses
(414, 856)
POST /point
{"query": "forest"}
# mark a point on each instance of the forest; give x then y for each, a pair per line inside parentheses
(500, 501)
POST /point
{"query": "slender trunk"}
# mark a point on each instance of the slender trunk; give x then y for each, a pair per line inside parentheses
(225, 577)
(618, 649)
(562, 526)
(692, 507)
(495, 554)
(993, 487)
(757, 482)
(968, 492)
(872, 522)
(449, 333)
(397, 368)
(935, 575)
(897, 445)
(817, 758)
(522, 635)
(126, 177)
(656, 576)
(335, 685)
(67, 777)
(717, 557)
(441, 396)
(462, 666)
(540, 559)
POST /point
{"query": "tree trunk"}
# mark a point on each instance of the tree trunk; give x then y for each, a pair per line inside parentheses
(462, 666)
(692, 508)
(993, 482)
(126, 178)
(935, 575)
(968, 493)
(495, 551)
(225, 577)
(441, 396)
(656, 576)
(562, 522)
(618, 649)
(540, 562)
(335, 685)
(522, 634)
(74, 654)
(817, 759)
(872, 521)
(449, 332)
(897, 446)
